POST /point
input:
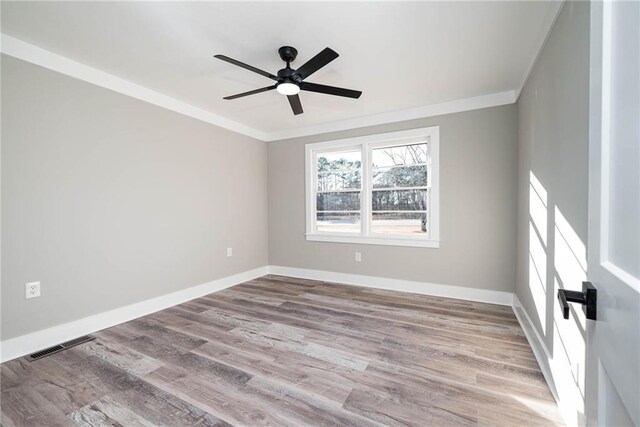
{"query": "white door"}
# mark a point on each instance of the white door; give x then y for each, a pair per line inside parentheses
(613, 340)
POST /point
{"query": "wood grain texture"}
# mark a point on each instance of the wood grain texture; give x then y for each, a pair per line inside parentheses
(291, 352)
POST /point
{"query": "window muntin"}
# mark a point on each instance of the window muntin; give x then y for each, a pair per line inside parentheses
(380, 189)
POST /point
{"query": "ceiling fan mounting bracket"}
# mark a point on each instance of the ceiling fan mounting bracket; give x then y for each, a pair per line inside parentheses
(288, 53)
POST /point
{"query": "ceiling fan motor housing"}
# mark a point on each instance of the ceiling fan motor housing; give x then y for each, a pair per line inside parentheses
(288, 75)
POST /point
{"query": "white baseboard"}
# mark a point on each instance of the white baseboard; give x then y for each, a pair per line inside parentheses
(540, 350)
(448, 291)
(30, 343)
(556, 369)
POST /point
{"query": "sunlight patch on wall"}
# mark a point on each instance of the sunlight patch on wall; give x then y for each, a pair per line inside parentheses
(570, 259)
(537, 248)
(571, 333)
(538, 206)
(569, 348)
(569, 392)
(538, 276)
(573, 243)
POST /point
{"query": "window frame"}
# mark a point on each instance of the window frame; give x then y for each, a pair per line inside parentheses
(366, 145)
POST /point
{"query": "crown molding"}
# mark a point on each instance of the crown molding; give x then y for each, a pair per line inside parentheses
(457, 106)
(30, 53)
(36, 55)
(550, 23)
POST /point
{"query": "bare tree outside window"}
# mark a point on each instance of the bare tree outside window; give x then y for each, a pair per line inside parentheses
(399, 198)
(339, 181)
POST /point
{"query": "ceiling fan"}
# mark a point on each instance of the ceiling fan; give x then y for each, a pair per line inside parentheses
(290, 82)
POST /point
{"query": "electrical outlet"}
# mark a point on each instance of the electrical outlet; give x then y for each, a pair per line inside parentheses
(229, 251)
(32, 290)
(358, 257)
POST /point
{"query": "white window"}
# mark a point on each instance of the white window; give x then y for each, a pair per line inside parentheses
(379, 189)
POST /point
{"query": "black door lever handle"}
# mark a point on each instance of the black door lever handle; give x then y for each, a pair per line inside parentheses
(588, 298)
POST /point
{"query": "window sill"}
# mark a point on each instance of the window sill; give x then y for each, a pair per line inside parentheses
(384, 241)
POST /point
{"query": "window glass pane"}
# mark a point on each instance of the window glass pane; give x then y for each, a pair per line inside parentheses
(402, 155)
(348, 201)
(338, 160)
(403, 176)
(342, 180)
(399, 200)
(348, 222)
(399, 223)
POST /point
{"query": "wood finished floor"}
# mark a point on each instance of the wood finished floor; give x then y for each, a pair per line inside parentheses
(291, 352)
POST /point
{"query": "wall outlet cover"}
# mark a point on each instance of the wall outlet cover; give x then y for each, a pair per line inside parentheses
(32, 290)
(229, 251)
(358, 256)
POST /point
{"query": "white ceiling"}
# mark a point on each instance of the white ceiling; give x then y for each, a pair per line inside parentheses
(402, 55)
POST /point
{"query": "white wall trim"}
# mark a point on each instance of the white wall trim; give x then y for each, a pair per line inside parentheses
(383, 241)
(44, 58)
(36, 55)
(551, 19)
(540, 350)
(32, 342)
(448, 291)
(456, 106)
(29, 343)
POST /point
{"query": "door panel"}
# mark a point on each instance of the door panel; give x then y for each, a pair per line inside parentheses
(613, 341)
(621, 236)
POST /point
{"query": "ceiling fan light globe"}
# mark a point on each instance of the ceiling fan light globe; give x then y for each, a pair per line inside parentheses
(288, 88)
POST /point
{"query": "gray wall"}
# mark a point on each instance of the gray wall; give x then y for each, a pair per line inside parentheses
(553, 147)
(478, 151)
(108, 200)
(553, 116)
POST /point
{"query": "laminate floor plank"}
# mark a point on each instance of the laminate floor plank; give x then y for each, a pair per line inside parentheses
(325, 306)
(233, 404)
(416, 312)
(283, 351)
(472, 399)
(305, 409)
(24, 406)
(123, 357)
(297, 372)
(427, 303)
(465, 326)
(105, 412)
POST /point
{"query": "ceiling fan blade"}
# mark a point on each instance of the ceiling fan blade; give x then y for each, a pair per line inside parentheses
(317, 62)
(246, 66)
(251, 92)
(296, 106)
(330, 90)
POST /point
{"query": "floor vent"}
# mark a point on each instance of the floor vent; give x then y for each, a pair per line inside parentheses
(57, 348)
